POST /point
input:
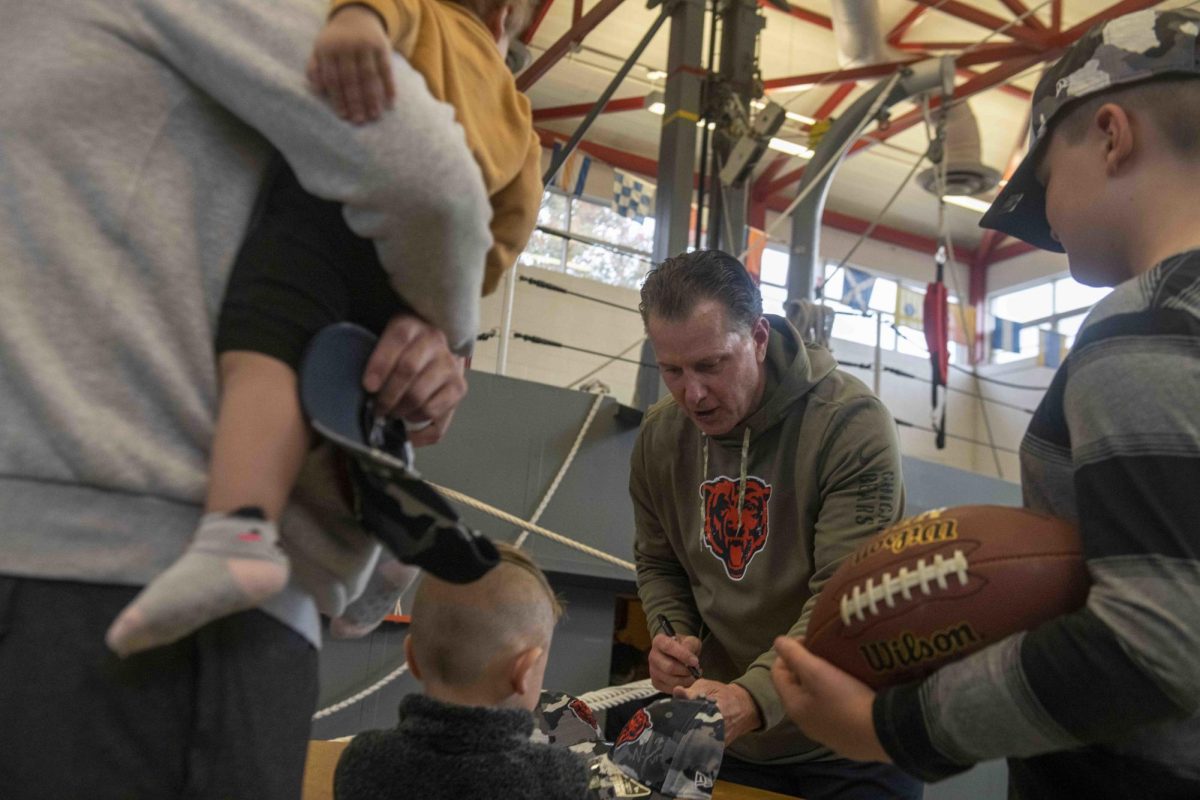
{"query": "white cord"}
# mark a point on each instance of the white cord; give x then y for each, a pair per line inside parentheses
(587, 424)
(370, 690)
(479, 505)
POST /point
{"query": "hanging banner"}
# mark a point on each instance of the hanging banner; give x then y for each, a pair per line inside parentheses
(633, 196)
(857, 287)
(1007, 336)
(1052, 349)
(756, 242)
(910, 308)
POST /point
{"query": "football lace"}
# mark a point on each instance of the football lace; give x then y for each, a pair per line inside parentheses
(861, 600)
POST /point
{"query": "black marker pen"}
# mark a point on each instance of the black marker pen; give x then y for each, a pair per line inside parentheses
(669, 630)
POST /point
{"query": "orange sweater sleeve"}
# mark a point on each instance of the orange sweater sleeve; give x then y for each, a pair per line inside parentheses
(514, 216)
(400, 19)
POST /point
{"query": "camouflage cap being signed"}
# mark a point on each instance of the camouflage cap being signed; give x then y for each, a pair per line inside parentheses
(669, 749)
(1128, 49)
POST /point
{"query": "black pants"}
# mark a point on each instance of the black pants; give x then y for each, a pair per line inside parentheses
(299, 269)
(837, 779)
(224, 713)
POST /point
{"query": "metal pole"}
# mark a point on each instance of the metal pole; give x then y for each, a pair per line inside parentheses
(510, 294)
(609, 91)
(676, 161)
(740, 26)
(878, 382)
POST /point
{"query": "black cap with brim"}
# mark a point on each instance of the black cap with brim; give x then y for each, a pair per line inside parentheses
(1020, 208)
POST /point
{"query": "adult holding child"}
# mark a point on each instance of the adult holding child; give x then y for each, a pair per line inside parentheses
(130, 167)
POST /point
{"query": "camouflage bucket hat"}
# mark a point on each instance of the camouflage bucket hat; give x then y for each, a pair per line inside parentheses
(669, 749)
(1135, 47)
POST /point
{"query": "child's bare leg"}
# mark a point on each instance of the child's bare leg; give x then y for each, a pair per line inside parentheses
(234, 561)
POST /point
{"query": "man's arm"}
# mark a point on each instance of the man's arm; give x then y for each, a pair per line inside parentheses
(862, 492)
(663, 584)
(408, 181)
(1128, 657)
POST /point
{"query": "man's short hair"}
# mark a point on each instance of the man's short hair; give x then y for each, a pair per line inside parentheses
(1171, 103)
(518, 18)
(675, 287)
(458, 629)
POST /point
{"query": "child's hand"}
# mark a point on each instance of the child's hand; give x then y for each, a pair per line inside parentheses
(351, 64)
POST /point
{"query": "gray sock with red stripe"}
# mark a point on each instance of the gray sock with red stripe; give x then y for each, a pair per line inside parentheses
(233, 563)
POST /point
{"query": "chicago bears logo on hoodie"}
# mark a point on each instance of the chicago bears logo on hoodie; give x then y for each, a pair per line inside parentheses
(733, 541)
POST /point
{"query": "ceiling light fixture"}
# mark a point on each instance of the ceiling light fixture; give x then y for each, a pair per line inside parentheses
(791, 148)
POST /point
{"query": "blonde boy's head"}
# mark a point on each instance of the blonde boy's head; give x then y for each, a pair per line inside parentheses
(467, 642)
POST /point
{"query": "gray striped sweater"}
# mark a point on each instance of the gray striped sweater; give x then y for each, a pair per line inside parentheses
(1104, 702)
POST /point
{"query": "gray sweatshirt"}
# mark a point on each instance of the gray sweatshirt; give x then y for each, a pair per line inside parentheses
(133, 137)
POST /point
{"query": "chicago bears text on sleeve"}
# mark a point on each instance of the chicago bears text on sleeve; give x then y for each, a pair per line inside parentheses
(1114, 447)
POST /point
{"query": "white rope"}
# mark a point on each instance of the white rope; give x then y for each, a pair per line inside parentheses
(587, 424)
(614, 696)
(370, 690)
(479, 505)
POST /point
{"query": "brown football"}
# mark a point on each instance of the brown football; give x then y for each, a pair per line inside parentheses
(935, 587)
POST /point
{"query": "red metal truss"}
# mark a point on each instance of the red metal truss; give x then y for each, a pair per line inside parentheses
(581, 109)
(834, 100)
(1010, 251)
(560, 48)
(983, 19)
(897, 33)
(621, 159)
(801, 14)
(834, 219)
(986, 54)
(1007, 88)
(979, 83)
(538, 15)
(1018, 8)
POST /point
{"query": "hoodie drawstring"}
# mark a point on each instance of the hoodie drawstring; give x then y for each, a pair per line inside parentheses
(742, 474)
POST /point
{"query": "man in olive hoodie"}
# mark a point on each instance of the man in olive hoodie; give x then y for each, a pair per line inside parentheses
(764, 468)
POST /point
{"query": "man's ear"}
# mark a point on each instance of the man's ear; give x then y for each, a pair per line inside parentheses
(412, 661)
(522, 667)
(1116, 127)
(760, 333)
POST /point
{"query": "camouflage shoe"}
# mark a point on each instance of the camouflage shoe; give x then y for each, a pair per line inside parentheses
(1136, 47)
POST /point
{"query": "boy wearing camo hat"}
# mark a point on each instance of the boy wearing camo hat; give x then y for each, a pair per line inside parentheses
(1101, 703)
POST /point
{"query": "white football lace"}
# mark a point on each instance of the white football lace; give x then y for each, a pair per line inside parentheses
(865, 599)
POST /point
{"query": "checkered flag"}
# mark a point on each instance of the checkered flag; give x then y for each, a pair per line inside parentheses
(632, 196)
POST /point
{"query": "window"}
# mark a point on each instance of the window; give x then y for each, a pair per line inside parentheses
(853, 326)
(773, 279)
(584, 237)
(1057, 305)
